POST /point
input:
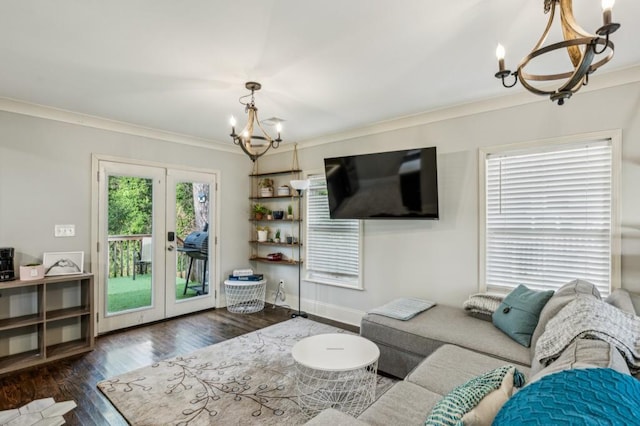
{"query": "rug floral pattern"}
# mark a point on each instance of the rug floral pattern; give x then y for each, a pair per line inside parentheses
(246, 380)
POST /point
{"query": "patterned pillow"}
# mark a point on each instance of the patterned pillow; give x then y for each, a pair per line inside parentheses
(592, 396)
(482, 305)
(451, 409)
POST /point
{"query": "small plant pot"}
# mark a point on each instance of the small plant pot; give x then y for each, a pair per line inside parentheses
(269, 217)
(266, 192)
(289, 240)
(278, 214)
(277, 240)
(262, 236)
(259, 216)
(289, 217)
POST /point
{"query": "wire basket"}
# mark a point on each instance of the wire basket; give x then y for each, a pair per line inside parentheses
(245, 297)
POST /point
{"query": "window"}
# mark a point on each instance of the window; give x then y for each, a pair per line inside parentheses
(333, 246)
(550, 216)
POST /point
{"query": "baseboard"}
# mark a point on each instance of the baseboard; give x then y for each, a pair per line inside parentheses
(332, 312)
(324, 310)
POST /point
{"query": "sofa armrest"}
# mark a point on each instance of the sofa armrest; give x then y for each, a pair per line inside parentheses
(334, 417)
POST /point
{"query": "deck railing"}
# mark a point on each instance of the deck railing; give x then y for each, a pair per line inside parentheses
(124, 249)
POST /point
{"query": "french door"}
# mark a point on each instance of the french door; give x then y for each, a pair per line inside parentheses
(155, 256)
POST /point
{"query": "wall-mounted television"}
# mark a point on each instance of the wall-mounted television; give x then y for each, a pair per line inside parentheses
(384, 185)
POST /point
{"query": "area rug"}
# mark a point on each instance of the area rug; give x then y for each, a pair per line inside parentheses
(246, 380)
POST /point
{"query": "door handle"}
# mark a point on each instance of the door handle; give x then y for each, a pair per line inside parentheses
(170, 248)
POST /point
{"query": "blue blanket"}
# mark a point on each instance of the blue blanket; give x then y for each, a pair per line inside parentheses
(592, 396)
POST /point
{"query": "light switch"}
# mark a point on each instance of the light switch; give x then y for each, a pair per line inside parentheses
(65, 230)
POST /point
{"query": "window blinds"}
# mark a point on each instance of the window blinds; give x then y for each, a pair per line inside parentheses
(333, 246)
(549, 218)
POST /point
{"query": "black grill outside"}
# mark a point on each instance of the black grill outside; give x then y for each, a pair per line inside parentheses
(197, 242)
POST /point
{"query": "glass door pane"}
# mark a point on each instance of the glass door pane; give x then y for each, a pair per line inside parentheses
(189, 265)
(131, 249)
(130, 219)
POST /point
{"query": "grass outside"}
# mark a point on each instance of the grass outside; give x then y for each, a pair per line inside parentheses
(126, 293)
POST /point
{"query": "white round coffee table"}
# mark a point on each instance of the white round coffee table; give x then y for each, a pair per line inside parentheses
(335, 370)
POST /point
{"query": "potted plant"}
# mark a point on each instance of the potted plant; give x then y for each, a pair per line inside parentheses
(263, 233)
(269, 214)
(289, 211)
(266, 187)
(259, 210)
(277, 237)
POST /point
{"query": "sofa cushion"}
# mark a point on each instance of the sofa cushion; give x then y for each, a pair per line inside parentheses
(635, 300)
(622, 300)
(518, 313)
(331, 416)
(404, 404)
(583, 353)
(456, 404)
(451, 366)
(439, 325)
(568, 397)
(562, 297)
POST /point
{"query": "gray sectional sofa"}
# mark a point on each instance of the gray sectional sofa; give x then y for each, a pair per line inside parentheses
(444, 347)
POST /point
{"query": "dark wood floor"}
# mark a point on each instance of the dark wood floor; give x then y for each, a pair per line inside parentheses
(119, 352)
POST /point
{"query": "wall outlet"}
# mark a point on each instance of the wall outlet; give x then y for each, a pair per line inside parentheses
(64, 230)
(280, 295)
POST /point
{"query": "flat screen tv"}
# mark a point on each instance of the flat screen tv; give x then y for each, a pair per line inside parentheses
(384, 185)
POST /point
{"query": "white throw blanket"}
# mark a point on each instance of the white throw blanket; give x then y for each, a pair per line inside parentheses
(587, 317)
(403, 309)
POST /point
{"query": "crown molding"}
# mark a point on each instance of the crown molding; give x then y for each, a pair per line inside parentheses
(70, 117)
(603, 81)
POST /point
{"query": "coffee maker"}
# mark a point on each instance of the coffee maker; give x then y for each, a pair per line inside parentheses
(6, 264)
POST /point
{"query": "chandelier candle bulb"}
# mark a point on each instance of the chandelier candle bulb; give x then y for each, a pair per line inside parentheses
(607, 5)
(500, 55)
(232, 121)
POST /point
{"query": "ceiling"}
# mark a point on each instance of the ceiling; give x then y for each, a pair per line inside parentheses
(325, 66)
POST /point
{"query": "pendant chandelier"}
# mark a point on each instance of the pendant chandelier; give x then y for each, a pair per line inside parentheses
(253, 144)
(583, 50)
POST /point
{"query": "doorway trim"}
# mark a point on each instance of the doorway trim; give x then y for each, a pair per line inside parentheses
(96, 263)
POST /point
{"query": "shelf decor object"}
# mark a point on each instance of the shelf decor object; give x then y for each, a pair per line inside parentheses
(299, 186)
(582, 47)
(63, 263)
(253, 144)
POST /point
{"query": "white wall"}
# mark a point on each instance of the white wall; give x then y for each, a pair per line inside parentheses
(438, 260)
(45, 179)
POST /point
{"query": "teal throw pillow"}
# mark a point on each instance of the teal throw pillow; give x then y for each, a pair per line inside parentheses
(518, 314)
(450, 410)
